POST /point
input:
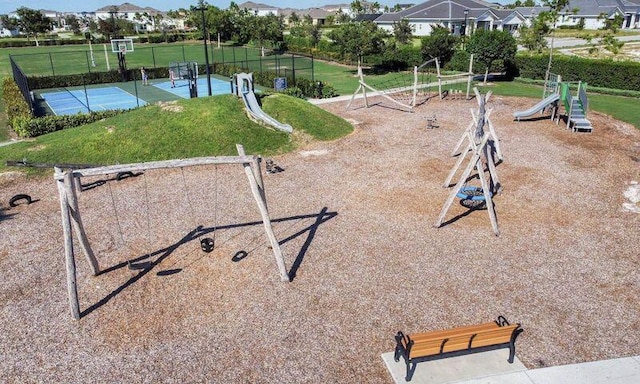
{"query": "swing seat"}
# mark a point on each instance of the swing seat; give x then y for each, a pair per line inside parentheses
(471, 193)
(207, 244)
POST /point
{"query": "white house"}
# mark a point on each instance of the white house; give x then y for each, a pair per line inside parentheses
(462, 16)
(259, 9)
(144, 18)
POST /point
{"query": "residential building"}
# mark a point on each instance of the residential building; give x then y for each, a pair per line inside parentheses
(462, 16)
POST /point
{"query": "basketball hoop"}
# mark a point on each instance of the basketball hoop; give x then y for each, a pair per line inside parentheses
(122, 46)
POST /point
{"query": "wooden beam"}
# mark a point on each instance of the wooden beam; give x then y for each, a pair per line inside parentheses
(137, 167)
(72, 289)
(70, 189)
(262, 206)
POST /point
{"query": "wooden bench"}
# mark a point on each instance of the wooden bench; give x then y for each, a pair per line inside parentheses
(459, 341)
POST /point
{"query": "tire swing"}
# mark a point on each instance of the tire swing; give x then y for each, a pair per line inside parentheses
(472, 197)
(13, 202)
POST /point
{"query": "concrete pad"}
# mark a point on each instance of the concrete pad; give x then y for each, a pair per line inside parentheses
(625, 370)
(456, 369)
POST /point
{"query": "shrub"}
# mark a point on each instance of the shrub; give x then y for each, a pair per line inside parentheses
(605, 73)
(17, 109)
(295, 92)
(43, 125)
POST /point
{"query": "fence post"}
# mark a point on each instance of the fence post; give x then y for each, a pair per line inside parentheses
(293, 68)
(86, 96)
(153, 56)
(88, 65)
(135, 87)
(184, 58)
(53, 72)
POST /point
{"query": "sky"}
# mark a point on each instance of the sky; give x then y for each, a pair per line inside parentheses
(7, 6)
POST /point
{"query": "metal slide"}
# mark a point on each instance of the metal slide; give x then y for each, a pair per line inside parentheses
(538, 107)
(244, 87)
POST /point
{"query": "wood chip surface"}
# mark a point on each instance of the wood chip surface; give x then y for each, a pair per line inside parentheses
(355, 219)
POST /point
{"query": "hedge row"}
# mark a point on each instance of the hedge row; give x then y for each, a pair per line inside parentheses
(43, 125)
(166, 38)
(17, 109)
(605, 73)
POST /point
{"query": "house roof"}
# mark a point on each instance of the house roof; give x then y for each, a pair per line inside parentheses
(252, 5)
(367, 17)
(128, 7)
(439, 9)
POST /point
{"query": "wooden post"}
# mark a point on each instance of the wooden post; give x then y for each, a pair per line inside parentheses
(72, 198)
(439, 79)
(72, 288)
(470, 75)
(262, 205)
(415, 86)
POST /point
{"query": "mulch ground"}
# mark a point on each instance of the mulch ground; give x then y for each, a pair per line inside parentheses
(355, 219)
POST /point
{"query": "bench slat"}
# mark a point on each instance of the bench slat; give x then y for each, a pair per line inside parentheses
(483, 337)
(453, 331)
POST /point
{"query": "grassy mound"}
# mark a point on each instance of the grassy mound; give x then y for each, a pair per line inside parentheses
(189, 128)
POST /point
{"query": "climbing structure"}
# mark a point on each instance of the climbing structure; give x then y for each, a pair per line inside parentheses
(481, 145)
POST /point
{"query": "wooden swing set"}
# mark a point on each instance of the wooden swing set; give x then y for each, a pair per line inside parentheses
(68, 182)
(481, 145)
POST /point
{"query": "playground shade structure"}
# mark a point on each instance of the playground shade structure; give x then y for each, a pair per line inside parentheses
(181, 89)
(70, 102)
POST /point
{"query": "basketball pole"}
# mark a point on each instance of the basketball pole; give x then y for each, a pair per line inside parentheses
(106, 56)
(206, 53)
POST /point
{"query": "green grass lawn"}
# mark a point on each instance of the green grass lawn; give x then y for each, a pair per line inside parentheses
(206, 127)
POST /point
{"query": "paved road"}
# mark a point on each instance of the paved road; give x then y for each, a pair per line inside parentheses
(562, 42)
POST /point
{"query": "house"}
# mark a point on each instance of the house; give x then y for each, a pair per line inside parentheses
(591, 13)
(463, 16)
(145, 19)
(318, 16)
(259, 9)
(455, 15)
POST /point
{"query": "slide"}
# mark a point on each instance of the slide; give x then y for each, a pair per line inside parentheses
(251, 103)
(538, 107)
(244, 87)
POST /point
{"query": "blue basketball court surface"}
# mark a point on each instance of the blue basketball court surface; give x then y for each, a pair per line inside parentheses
(218, 87)
(95, 99)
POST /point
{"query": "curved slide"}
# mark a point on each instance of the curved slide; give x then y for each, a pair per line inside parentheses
(538, 107)
(251, 103)
(244, 84)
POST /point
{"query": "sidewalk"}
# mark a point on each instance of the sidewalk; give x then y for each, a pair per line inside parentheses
(492, 368)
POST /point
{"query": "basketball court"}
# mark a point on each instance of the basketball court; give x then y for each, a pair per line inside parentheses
(71, 102)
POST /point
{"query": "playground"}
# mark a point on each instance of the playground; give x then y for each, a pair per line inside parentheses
(355, 221)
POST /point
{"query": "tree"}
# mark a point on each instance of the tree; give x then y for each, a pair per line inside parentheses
(491, 47)
(550, 18)
(612, 24)
(314, 33)
(355, 40)
(267, 29)
(533, 36)
(402, 31)
(342, 18)
(294, 19)
(439, 44)
(73, 23)
(33, 22)
(10, 23)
